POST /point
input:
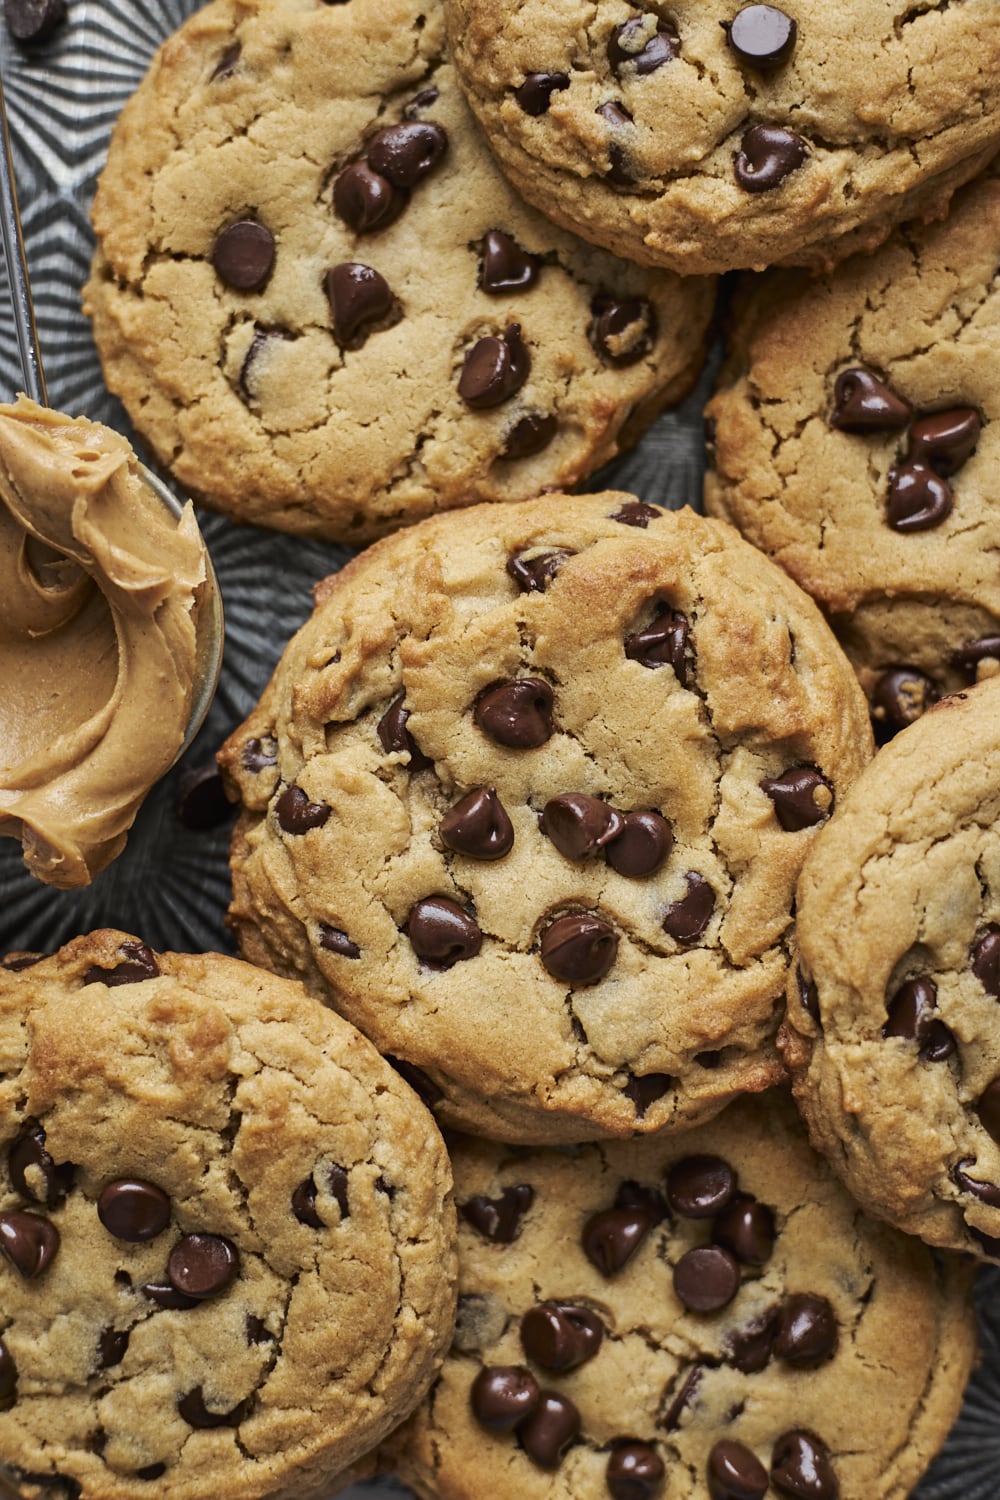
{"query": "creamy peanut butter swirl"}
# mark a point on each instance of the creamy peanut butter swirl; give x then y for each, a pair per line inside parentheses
(99, 592)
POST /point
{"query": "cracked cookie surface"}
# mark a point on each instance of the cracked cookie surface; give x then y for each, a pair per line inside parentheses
(323, 306)
(893, 1035)
(856, 439)
(707, 137)
(526, 799)
(839, 1333)
(227, 1231)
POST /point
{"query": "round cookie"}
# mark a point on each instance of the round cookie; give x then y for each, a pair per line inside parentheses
(855, 442)
(323, 306)
(706, 137)
(704, 1315)
(226, 1227)
(893, 1028)
(527, 798)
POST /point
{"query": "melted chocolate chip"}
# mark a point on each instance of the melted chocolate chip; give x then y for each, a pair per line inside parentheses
(422, 1085)
(499, 1219)
(985, 961)
(505, 266)
(912, 1017)
(898, 699)
(682, 1399)
(394, 736)
(945, 440)
(366, 200)
(700, 1186)
(986, 1242)
(664, 642)
(762, 36)
(561, 1336)
(685, 920)
(746, 1229)
(534, 574)
(336, 940)
(863, 403)
(19, 960)
(226, 65)
(421, 101)
(111, 1347)
(807, 1330)
(257, 1331)
(918, 500)
(296, 814)
(635, 1472)
(986, 1192)
(801, 1467)
(494, 369)
(809, 997)
(504, 1396)
(642, 846)
(8, 1378)
(749, 1349)
(442, 933)
(28, 1161)
(517, 713)
(404, 154)
(580, 825)
(34, 20)
(612, 1237)
(988, 1109)
(304, 1204)
(534, 95)
(531, 435)
(133, 1210)
(257, 755)
(619, 169)
(579, 949)
(168, 1297)
(767, 155)
(138, 965)
(478, 826)
(706, 1279)
(802, 797)
(623, 330)
(548, 1431)
(202, 1265)
(201, 802)
(243, 255)
(636, 513)
(733, 1472)
(632, 51)
(357, 295)
(29, 1242)
(646, 1089)
(968, 657)
(196, 1414)
(151, 1471)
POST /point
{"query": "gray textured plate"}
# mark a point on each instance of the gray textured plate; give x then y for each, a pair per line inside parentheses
(171, 886)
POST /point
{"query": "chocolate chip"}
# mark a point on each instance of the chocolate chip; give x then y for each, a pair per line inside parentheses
(47, 1182)
(357, 295)
(534, 95)
(663, 642)
(580, 825)
(968, 657)
(442, 933)
(517, 713)
(256, 1331)
(534, 574)
(807, 1330)
(633, 51)
(646, 1089)
(622, 331)
(19, 960)
(634, 1196)
(560, 1336)
(304, 1204)
(335, 940)
(258, 755)
(366, 200)
(986, 1242)
(986, 1192)
(988, 1109)
(898, 699)
(138, 965)
(404, 154)
(918, 500)
(201, 802)
(503, 1396)
(762, 36)
(28, 1241)
(706, 1279)
(296, 814)
(8, 1378)
(985, 960)
(809, 997)
(532, 434)
(642, 846)
(478, 826)
(619, 168)
(635, 1472)
(226, 66)
(111, 1347)
(133, 1210)
(421, 101)
(548, 1431)
(202, 1265)
(151, 1471)
(610, 1238)
(746, 1229)
(34, 20)
(579, 948)
(196, 1414)
(700, 1186)
(505, 266)
(395, 738)
(749, 1349)
(636, 513)
(945, 440)
(767, 155)
(912, 1017)
(863, 403)
(499, 1219)
(422, 1085)
(733, 1472)
(168, 1297)
(685, 920)
(243, 255)
(802, 797)
(683, 1398)
(494, 369)
(801, 1467)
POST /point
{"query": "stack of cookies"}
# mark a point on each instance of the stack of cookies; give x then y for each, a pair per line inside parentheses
(562, 826)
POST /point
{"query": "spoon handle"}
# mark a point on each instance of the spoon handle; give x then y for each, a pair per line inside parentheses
(23, 309)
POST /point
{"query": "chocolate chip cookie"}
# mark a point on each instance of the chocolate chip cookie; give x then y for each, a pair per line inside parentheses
(526, 799)
(708, 136)
(226, 1229)
(855, 442)
(323, 306)
(893, 1029)
(704, 1316)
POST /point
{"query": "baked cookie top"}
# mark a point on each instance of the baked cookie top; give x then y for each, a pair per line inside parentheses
(855, 442)
(704, 137)
(527, 797)
(323, 306)
(893, 1030)
(704, 1315)
(226, 1226)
